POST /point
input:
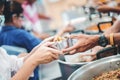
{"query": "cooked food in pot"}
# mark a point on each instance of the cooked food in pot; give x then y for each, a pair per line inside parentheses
(111, 75)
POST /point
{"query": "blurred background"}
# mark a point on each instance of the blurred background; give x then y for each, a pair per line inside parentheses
(45, 18)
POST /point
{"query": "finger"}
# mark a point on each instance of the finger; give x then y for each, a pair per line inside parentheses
(55, 56)
(55, 39)
(53, 46)
(48, 40)
(55, 51)
(77, 45)
(73, 51)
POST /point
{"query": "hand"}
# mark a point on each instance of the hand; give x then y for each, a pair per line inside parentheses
(91, 54)
(44, 54)
(84, 43)
(106, 9)
(68, 28)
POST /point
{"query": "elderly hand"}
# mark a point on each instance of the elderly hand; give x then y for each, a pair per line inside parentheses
(84, 43)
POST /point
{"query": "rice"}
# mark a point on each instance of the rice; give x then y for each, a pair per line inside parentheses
(111, 75)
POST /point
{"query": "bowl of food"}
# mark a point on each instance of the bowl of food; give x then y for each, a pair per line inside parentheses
(107, 68)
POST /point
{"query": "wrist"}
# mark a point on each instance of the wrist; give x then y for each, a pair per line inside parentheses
(32, 61)
(96, 37)
(103, 40)
(108, 38)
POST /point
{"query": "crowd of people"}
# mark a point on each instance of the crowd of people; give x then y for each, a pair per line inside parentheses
(41, 51)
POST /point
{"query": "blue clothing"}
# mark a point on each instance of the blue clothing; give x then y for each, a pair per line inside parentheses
(11, 35)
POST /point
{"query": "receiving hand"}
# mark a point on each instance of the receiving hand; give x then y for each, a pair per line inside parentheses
(44, 54)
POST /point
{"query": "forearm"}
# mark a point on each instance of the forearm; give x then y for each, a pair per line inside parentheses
(19, 1)
(113, 29)
(25, 71)
(42, 16)
(116, 38)
(116, 9)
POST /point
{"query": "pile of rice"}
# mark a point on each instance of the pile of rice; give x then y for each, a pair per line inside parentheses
(111, 75)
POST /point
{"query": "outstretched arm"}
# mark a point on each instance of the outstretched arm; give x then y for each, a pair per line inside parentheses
(37, 57)
(106, 9)
(86, 42)
(115, 28)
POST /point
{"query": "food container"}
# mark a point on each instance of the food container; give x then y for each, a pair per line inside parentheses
(69, 63)
(95, 68)
(64, 42)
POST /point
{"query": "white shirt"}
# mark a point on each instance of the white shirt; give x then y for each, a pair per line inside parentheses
(8, 64)
(32, 17)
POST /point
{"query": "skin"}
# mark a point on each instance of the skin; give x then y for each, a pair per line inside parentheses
(41, 16)
(106, 9)
(35, 58)
(86, 42)
(1, 9)
(68, 28)
(16, 21)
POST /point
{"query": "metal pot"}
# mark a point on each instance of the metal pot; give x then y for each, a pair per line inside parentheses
(67, 68)
(87, 72)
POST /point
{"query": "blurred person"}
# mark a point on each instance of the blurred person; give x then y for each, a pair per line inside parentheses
(14, 68)
(85, 42)
(106, 9)
(97, 3)
(33, 17)
(111, 6)
(11, 34)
